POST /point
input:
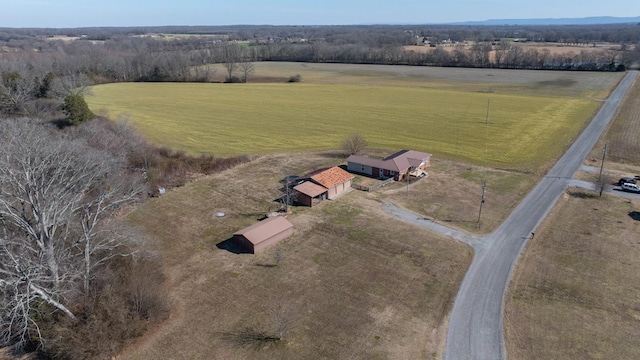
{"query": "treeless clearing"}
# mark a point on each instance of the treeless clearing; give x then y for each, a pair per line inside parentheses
(573, 295)
(622, 137)
(357, 283)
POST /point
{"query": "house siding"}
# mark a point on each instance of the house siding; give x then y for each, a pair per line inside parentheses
(304, 199)
(359, 168)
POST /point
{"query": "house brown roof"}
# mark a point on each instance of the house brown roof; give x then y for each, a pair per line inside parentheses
(399, 161)
(309, 188)
(331, 177)
(265, 229)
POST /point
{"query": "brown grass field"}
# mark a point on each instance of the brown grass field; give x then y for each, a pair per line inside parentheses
(357, 283)
(574, 292)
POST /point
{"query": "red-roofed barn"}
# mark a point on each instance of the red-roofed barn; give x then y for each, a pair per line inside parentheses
(263, 234)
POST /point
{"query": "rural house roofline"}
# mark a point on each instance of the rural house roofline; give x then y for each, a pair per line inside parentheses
(398, 161)
(329, 177)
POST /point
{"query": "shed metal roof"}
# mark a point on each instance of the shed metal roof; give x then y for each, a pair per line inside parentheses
(309, 188)
(265, 229)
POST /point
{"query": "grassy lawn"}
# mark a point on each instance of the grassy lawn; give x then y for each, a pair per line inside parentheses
(526, 128)
(355, 282)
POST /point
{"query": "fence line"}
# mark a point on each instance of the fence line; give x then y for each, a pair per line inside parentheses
(372, 187)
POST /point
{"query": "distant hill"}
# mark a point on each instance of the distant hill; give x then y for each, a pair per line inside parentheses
(595, 20)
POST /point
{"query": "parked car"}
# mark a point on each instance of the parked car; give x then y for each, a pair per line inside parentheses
(630, 187)
(626, 180)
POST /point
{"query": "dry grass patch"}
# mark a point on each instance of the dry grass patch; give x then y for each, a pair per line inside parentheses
(452, 192)
(352, 281)
(572, 294)
(622, 137)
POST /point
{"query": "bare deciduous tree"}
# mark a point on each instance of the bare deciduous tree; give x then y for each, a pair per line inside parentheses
(283, 318)
(56, 194)
(16, 92)
(354, 144)
(77, 83)
(247, 69)
(231, 57)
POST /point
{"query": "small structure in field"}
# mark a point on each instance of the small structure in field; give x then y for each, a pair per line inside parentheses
(322, 184)
(263, 234)
(397, 166)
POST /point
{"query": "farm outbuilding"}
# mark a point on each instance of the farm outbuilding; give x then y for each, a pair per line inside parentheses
(309, 193)
(263, 234)
(322, 184)
(397, 166)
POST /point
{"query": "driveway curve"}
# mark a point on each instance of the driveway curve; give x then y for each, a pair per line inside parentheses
(475, 326)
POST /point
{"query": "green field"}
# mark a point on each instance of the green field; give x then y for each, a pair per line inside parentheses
(524, 132)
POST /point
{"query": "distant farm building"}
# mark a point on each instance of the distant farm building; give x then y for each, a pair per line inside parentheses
(263, 234)
(398, 166)
(322, 184)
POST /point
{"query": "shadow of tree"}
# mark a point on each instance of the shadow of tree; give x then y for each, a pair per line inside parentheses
(249, 337)
(582, 194)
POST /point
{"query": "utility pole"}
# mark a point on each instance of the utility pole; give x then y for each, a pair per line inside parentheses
(600, 181)
(486, 119)
(484, 185)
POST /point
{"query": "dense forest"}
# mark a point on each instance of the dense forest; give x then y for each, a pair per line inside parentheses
(74, 282)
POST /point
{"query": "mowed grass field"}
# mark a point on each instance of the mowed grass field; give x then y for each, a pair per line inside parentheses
(392, 107)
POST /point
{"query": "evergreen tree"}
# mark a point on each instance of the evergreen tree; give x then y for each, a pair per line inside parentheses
(76, 109)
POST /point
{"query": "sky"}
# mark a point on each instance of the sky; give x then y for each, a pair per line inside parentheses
(91, 13)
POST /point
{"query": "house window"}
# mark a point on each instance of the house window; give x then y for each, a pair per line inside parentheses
(362, 167)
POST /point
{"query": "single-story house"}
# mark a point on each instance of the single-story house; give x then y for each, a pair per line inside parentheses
(398, 165)
(263, 234)
(322, 184)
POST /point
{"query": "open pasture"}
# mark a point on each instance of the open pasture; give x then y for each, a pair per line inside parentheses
(447, 117)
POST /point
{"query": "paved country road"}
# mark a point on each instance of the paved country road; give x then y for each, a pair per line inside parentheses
(475, 326)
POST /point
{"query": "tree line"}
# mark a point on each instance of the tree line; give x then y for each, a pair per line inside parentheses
(131, 54)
